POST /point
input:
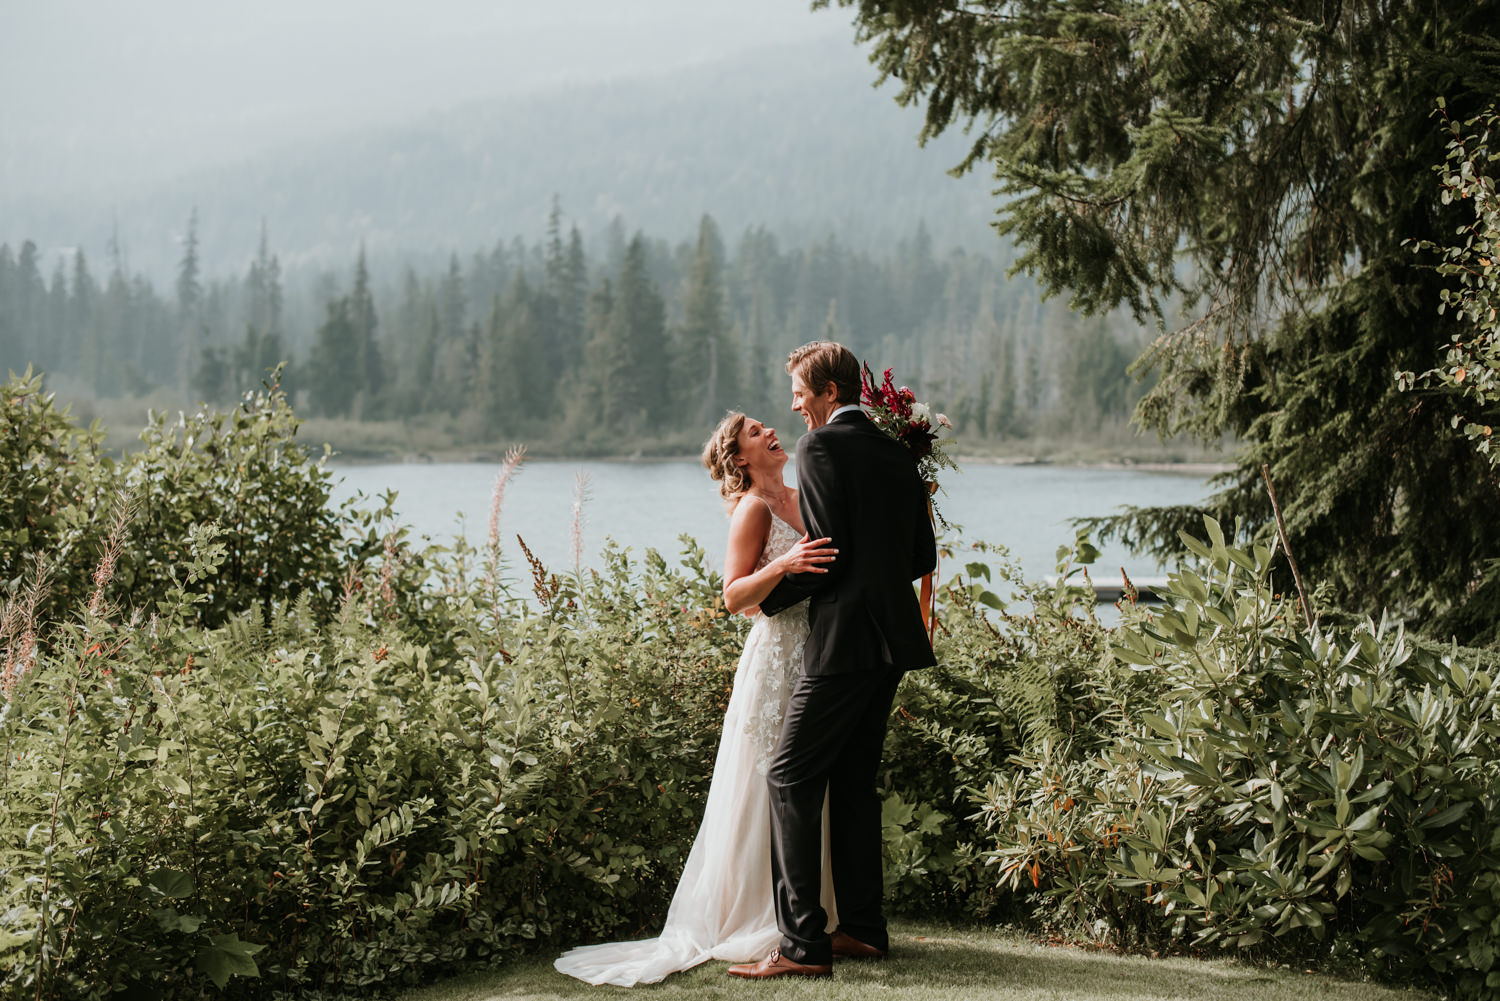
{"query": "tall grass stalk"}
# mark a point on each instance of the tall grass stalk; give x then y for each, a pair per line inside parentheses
(580, 498)
(508, 467)
(18, 628)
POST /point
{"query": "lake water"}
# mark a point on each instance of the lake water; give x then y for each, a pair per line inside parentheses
(649, 504)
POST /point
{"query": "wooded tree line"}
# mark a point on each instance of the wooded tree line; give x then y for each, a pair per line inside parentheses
(1269, 167)
(605, 350)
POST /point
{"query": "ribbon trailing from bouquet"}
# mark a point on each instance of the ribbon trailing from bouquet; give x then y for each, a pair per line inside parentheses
(928, 599)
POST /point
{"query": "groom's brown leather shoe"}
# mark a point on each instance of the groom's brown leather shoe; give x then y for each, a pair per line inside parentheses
(847, 946)
(777, 965)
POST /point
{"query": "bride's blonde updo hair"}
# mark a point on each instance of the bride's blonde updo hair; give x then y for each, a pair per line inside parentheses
(719, 453)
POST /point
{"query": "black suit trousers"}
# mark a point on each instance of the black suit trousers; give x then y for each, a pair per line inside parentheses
(831, 739)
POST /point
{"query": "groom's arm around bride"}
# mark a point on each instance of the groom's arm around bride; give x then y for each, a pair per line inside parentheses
(860, 488)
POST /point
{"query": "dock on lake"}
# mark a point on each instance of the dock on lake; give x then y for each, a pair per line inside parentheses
(1147, 589)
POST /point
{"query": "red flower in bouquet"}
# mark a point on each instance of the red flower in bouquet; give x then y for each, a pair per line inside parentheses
(897, 412)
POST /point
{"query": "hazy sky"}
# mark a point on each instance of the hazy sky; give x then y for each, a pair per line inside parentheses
(101, 95)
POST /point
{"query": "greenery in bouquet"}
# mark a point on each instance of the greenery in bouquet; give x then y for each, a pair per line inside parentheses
(897, 412)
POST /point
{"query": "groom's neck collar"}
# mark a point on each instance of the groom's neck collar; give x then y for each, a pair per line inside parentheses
(848, 408)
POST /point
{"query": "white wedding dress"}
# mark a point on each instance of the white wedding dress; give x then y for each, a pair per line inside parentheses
(723, 907)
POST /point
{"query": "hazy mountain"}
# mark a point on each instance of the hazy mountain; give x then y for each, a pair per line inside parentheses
(101, 96)
(791, 137)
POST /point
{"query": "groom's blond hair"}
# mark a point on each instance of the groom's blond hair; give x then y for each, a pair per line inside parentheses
(821, 362)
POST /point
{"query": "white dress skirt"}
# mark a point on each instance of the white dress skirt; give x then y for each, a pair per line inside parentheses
(723, 907)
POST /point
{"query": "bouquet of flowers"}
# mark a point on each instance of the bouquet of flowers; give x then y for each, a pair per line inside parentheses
(897, 412)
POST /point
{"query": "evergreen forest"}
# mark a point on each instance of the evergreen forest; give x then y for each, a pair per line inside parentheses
(635, 346)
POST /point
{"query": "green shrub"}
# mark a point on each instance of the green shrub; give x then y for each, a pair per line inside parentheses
(328, 805)
(1284, 790)
(1013, 673)
(53, 484)
(243, 470)
(247, 748)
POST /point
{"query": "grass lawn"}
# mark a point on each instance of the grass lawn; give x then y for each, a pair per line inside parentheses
(937, 963)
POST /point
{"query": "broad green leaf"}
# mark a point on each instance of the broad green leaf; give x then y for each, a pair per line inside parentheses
(1215, 533)
(1194, 587)
(1359, 699)
(1131, 656)
(171, 883)
(1445, 817)
(170, 920)
(226, 956)
(1366, 821)
(1194, 546)
(1160, 725)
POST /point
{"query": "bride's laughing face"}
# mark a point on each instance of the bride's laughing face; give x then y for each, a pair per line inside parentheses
(760, 450)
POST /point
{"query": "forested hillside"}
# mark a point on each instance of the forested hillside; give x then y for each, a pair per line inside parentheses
(791, 138)
(635, 347)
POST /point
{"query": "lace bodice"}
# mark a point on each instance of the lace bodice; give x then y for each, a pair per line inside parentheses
(773, 657)
(779, 539)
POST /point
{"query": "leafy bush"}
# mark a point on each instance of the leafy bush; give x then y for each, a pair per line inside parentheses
(52, 484)
(333, 806)
(1013, 673)
(242, 470)
(1253, 784)
(277, 753)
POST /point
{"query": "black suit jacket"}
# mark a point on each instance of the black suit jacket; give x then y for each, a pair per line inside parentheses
(859, 487)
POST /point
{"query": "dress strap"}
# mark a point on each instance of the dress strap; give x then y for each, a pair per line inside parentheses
(776, 519)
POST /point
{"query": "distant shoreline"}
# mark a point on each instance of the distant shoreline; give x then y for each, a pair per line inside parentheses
(1204, 466)
(481, 457)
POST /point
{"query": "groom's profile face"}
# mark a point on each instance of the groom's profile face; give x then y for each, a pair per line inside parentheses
(815, 408)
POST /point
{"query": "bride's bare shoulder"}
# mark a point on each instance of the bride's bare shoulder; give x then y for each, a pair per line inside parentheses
(749, 529)
(750, 514)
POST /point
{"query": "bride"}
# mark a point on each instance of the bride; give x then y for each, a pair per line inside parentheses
(722, 908)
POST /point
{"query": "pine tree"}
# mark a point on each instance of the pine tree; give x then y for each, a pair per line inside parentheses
(589, 395)
(262, 349)
(566, 290)
(88, 356)
(518, 386)
(500, 381)
(30, 291)
(11, 350)
(189, 289)
(211, 379)
(57, 341)
(1264, 163)
(758, 301)
(997, 415)
(263, 288)
(707, 374)
(190, 334)
(331, 381)
(455, 380)
(405, 346)
(117, 335)
(918, 280)
(366, 365)
(638, 345)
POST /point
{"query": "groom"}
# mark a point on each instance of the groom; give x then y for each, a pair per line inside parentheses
(860, 488)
